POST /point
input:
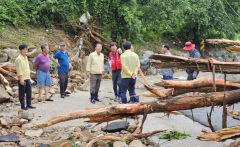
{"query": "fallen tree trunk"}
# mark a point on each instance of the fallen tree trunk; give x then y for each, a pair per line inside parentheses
(103, 114)
(235, 49)
(197, 83)
(220, 135)
(8, 73)
(6, 84)
(204, 65)
(223, 41)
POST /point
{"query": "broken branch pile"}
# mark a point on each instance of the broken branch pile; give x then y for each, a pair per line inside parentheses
(204, 65)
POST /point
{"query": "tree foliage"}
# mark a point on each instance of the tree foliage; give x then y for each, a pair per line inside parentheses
(132, 19)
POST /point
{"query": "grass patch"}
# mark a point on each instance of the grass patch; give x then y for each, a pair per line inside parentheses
(174, 135)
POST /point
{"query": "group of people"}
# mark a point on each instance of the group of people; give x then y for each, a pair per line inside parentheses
(192, 52)
(124, 67)
(42, 67)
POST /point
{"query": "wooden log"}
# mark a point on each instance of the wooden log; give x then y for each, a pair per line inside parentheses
(124, 138)
(205, 65)
(163, 93)
(114, 112)
(197, 83)
(8, 73)
(223, 41)
(234, 114)
(234, 49)
(220, 135)
(6, 84)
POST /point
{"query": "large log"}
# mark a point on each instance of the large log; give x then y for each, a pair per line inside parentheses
(8, 73)
(205, 65)
(223, 41)
(235, 49)
(197, 83)
(103, 114)
(220, 135)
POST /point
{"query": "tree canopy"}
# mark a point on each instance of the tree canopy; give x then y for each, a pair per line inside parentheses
(135, 20)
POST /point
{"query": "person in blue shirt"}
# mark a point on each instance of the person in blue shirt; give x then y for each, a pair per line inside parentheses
(63, 67)
(194, 53)
(167, 73)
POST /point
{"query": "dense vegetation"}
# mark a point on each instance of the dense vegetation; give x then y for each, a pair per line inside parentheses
(136, 20)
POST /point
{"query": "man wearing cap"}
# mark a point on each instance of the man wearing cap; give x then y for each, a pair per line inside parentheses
(116, 67)
(130, 65)
(168, 72)
(23, 75)
(95, 69)
(194, 53)
(42, 67)
(63, 68)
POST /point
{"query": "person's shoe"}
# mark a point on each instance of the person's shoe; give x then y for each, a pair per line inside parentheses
(49, 100)
(24, 108)
(131, 101)
(92, 99)
(66, 95)
(136, 99)
(31, 107)
(96, 97)
(62, 96)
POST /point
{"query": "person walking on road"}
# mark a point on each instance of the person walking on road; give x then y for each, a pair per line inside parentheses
(42, 67)
(63, 68)
(95, 69)
(23, 75)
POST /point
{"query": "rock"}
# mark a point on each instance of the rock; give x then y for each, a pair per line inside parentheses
(34, 90)
(77, 143)
(54, 81)
(23, 121)
(116, 126)
(85, 135)
(3, 57)
(9, 138)
(132, 127)
(34, 133)
(100, 143)
(15, 88)
(15, 129)
(12, 53)
(136, 143)
(4, 96)
(44, 145)
(119, 144)
(3, 122)
(25, 115)
(25, 142)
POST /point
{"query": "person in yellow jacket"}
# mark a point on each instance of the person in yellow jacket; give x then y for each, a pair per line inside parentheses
(95, 69)
(130, 65)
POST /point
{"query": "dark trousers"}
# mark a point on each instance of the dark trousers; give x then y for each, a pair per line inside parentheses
(167, 77)
(127, 84)
(95, 81)
(190, 74)
(116, 79)
(25, 89)
(63, 80)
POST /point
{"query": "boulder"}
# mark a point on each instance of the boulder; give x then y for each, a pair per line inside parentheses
(4, 96)
(3, 57)
(12, 53)
(25, 115)
(136, 143)
(34, 133)
(116, 126)
(119, 144)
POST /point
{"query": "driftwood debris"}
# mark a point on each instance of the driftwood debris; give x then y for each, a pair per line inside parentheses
(197, 83)
(234, 114)
(108, 113)
(124, 138)
(223, 41)
(220, 135)
(6, 84)
(234, 48)
(204, 65)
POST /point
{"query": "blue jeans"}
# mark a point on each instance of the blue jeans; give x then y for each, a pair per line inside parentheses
(127, 84)
(116, 79)
(23, 90)
(167, 77)
(43, 78)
